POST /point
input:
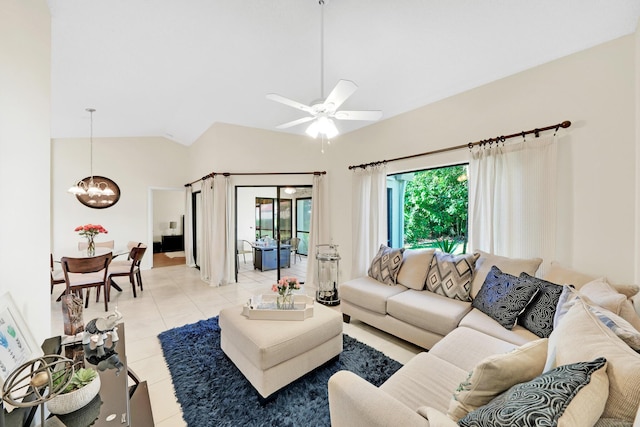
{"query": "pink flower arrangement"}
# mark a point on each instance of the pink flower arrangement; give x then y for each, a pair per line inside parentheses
(286, 285)
(90, 230)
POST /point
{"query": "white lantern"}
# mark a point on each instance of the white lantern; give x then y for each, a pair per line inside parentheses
(328, 268)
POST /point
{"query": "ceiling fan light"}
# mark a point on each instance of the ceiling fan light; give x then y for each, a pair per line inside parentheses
(313, 129)
(327, 127)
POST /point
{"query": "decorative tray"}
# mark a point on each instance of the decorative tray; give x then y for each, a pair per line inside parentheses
(264, 307)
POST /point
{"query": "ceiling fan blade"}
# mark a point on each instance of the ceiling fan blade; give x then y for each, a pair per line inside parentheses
(289, 102)
(295, 122)
(343, 90)
(371, 115)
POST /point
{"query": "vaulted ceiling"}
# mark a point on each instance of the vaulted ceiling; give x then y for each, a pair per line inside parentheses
(173, 68)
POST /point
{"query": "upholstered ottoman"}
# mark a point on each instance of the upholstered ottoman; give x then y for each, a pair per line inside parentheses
(274, 353)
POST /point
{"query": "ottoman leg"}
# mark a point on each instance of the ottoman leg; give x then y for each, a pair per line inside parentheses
(346, 318)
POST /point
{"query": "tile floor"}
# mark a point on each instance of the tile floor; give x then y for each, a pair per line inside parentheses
(174, 296)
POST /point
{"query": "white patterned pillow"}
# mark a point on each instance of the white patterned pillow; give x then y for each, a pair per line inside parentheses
(451, 275)
(385, 265)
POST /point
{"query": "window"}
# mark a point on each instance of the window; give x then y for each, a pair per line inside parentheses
(429, 209)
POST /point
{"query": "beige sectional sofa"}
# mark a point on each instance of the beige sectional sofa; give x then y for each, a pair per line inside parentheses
(463, 340)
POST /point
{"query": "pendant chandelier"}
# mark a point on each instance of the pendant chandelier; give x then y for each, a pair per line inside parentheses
(87, 186)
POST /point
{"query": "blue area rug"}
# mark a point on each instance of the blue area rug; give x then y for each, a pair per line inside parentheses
(213, 392)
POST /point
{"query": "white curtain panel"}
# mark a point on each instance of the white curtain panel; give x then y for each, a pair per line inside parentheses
(319, 231)
(208, 239)
(369, 216)
(222, 251)
(512, 199)
(188, 226)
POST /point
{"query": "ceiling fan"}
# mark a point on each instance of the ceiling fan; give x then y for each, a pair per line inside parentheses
(323, 111)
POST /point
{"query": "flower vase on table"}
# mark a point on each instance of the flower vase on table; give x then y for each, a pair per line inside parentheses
(90, 231)
(285, 288)
(91, 246)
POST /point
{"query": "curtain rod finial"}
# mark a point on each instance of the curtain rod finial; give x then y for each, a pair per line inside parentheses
(565, 124)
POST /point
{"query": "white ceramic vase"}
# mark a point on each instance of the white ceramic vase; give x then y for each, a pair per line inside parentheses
(69, 402)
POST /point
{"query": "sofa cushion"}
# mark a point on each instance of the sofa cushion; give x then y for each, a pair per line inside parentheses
(427, 310)
(495, 374)
(424, 380)
(503, 296)
(581, 336)
(538, 314)
(414, 268)
(385, 265)
(513, 266)
(566, 276)
(451, 275)
(477, 346)
(368, 293)
(543, 400)
(479, 321)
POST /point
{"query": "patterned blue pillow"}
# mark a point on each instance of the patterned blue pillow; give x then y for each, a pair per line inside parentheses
(503, 297)
(539, 402)
(538, 315)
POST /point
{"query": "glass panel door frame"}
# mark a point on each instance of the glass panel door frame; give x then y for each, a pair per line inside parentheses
(277, 219)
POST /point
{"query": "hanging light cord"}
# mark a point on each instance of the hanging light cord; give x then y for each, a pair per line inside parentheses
(321, 3)
(91, 111)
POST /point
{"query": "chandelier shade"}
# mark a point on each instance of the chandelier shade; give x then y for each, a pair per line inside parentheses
(95, 191)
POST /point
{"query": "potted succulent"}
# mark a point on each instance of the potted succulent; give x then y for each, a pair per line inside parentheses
(83, 387)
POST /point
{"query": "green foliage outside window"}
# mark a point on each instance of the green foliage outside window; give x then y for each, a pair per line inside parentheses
(436, 208)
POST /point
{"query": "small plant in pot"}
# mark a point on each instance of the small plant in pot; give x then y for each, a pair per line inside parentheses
(83, 387)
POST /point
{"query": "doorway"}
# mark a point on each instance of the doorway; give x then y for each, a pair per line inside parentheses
(166, 227)
(266, 217)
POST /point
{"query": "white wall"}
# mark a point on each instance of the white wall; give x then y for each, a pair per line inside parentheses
(595, 89)
(25, 74)
(135, 164)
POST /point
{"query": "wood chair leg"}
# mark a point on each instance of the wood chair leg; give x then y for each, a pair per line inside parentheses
(86, 301)
(132, 280)
(106, 297)
(139, 275)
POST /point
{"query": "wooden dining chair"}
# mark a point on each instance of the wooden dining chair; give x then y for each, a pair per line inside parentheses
(106, 244)
(130, 268)
(57, 276)
(87, 273)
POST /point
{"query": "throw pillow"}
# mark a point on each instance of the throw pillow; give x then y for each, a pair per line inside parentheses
(513, 266)
(385, 265)
(541, 401)
(451, 275)
(623, 329)
(495, 374)
(415, 267)
(561, 274)
(538, 315)
(599, 292)
(581, 336)
(503, 297)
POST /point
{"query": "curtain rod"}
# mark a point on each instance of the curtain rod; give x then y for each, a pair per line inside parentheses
(470, 145)
(213, 174)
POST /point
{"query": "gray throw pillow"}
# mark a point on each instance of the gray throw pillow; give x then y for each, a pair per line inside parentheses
(503, 296)
(451, 275)
(385, 265)
(539, 402)
(538, 315)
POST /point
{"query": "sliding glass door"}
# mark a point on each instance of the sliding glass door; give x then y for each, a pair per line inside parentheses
(303, 224)
(267, 238)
